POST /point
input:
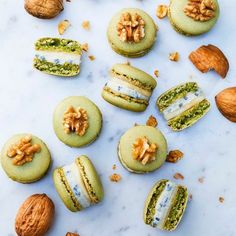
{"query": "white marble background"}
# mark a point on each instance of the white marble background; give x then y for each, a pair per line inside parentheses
(28, 98)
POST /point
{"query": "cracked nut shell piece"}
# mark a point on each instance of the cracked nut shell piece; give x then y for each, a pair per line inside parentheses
(35, 216)
(208, 58)
(44, 9)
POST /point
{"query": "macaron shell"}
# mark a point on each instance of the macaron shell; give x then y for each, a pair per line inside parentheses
(31, 171)
(94, 116)
(63, 192)
(185, 24)
(91, 179)
(126, 144)
(132, 49)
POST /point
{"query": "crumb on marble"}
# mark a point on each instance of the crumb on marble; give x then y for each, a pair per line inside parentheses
(201, 180)
(152, 121)
(174, 56)
(221, 199)
(92, 58)
(190, 196)
(85, 47)
(115, 177)
(174, 156)
(156, 73)
(114, 167)
(86, 25)
(178, 176)
(162, 11)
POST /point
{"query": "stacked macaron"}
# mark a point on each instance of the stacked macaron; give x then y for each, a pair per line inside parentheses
(183, 105)
(165, 205)
(56, 56)
(129, 88)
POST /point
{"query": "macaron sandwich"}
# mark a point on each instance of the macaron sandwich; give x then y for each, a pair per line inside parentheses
(132, 32)
(183, 105)
(61, 57)
(78, 184)
(129, 88)
(193, 17)
(165, 205)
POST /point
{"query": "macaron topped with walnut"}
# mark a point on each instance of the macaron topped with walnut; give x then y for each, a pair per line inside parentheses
(132, 32)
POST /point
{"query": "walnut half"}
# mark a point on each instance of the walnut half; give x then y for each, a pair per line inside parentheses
(200, 10)
(130, 28)
(144, 151)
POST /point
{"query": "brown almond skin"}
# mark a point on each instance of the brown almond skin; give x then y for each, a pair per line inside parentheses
(44, 9)
(226, 103)
(72, 234)
(35, 216)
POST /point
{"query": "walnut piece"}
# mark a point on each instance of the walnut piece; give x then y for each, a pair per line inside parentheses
(85, 47)
(75, 120)
(63, 26)
(174, 156)
(115, 178)
(174, 56)
(152, 121)
(162, 11)
(178, 176)
(130, 28)
(200, 10)
(221, 199)
(143, 151)
(23, 151)
(156, 73)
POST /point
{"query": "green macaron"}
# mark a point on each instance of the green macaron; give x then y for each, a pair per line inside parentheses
(142, 149)
(132, 32)
(183, 105)
(77, 121)
(165, 205)
(78, 184)
(189, 23)
(25, 158)
(129, 88)
(61, 57)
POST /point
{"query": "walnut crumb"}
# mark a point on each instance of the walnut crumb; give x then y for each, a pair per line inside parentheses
(174, 56)
(178, 176)
(174, 156)
(115, 178)
(23, 151)
(152, 121)
(201, 180)
(92, 58)
(85, 47)
(86, 25)
(63, 26)
(156, 73)
(162, 11)
(221, 199)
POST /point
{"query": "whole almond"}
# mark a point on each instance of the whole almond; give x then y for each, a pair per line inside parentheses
(226, 103)
(35, 216)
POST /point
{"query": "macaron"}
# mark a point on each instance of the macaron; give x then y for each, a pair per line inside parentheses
(25, 158)
(77, 121)
(191, 17)
(78, 184)
(165, 205)
(132, 32)
(129, 88)
(61, 57)
(142, 149)
(183, 105)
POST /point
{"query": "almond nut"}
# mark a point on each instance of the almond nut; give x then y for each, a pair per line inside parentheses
(226, 103)
(208, 58)
(35, 216)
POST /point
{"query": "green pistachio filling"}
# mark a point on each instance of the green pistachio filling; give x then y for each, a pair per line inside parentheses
(190, 116)
(66, 69)
(127, 98)
(177, 209)
(151, 208)
(174, 94)
(60, 45)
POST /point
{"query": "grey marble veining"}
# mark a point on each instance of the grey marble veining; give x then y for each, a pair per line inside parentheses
(28, 99)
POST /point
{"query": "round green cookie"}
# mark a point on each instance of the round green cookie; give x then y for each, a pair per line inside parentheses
(30, 171)
(132, 49)
(126, 145)
(187, 25)
(94, 121)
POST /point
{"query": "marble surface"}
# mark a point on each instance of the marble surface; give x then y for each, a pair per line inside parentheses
(28, 98)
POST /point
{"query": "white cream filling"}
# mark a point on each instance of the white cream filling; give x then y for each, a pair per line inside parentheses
(183, 104)
(58, 57)
(121, 87)
(163, 204)
(74, 180)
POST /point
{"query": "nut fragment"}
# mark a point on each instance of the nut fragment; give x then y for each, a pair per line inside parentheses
(91, 57)
(174, 56)
(156, 73)
(86, 25)
(72, 234)
(85, 47)
(44, 9)
(75, 120)
(152, 121)
(115, 178)
(130, 28)
(208, 58)
(226, 103)
(178, 176)
(201, 180)
(221, 199)
(63, 26)
(23, 151)
(174, 156)
(35, 216)
(200, 10)
(162, 11)
(143, 151)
